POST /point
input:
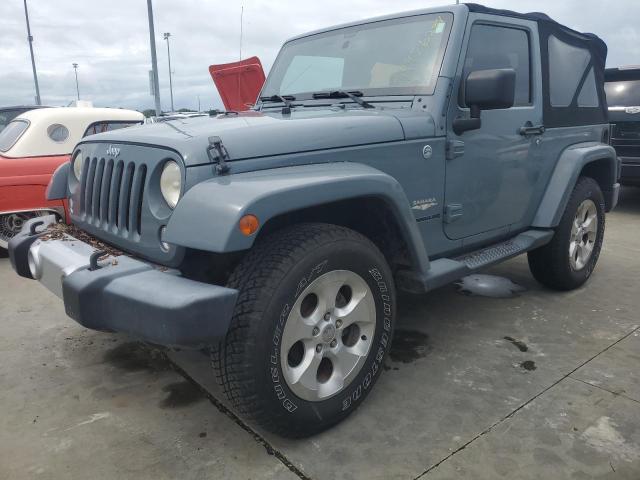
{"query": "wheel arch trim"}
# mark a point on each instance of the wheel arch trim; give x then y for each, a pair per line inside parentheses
(570, 165)
(207, 217)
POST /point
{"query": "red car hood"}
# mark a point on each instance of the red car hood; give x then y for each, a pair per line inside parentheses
(238, 83)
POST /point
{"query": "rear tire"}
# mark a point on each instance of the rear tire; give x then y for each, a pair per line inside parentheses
(312, 326)
(568, 260)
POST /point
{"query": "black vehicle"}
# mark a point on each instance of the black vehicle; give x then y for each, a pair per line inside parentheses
(9, 113)
(623, 96)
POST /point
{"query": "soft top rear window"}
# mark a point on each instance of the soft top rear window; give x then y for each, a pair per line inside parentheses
(625, 93)
(12, 133)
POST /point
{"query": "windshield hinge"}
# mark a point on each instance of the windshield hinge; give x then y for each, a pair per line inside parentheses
(218, 153)
(455, 149)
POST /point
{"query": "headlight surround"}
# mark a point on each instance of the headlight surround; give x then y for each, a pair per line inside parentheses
(78, 162)
(171, 183)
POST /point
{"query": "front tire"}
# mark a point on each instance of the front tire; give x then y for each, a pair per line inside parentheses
(567, 262)
(312, 326)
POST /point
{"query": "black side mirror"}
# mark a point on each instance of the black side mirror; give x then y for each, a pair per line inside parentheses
(486, 90)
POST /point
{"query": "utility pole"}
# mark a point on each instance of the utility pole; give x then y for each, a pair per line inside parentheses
(75, 68)
(166, 37)
(199, 103)
(33, 61)
(154, 59)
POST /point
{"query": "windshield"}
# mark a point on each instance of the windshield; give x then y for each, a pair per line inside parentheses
(11, 133)
(390, 57)
(623, 93)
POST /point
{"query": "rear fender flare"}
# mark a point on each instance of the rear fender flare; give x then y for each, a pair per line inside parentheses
(565, 175)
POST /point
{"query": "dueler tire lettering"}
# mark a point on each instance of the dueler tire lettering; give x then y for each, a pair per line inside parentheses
(270, 279)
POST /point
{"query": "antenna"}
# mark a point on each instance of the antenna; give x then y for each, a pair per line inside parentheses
(241, 19)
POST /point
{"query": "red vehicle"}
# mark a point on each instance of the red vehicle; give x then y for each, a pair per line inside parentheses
(32, 146)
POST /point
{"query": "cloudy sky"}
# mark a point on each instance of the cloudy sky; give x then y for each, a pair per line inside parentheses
(110, 41)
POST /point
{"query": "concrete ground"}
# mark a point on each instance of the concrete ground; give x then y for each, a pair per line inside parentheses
(536, 384)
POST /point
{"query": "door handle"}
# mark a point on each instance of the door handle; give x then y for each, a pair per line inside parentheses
(529, 129)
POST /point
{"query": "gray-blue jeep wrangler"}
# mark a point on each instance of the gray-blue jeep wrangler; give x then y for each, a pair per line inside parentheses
(403, 152)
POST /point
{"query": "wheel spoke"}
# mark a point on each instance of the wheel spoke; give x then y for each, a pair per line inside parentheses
(587, 248)
(575, 226)
(297, 329)
(346, 358)
(591, 224)
(306, 373)
(358, 310)
(327, 289)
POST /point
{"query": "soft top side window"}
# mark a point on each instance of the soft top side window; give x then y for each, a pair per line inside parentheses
(572, 80)
(12, 133)
(492, 46)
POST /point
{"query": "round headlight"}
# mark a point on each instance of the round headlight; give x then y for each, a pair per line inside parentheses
(78, 162)
(171, 183)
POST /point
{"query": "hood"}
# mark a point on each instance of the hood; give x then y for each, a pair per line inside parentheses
(238, 83)
(257, 134)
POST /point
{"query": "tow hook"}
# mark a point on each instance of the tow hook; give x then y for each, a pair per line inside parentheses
(93, 260)
(34, 225)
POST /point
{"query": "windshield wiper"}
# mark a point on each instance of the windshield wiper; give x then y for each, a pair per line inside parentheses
(353, 95)
(286, 99)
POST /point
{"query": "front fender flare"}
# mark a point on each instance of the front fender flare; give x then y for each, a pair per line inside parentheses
(564, 177)
(207, 217)
(58, 185)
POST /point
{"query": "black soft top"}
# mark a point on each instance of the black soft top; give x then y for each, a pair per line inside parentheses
(574, 113)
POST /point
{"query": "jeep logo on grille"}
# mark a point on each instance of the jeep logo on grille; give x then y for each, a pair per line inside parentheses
(113, 151)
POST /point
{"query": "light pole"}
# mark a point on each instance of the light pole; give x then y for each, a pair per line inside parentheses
(33, 61)
(154, 59)
(166, 37)
(75, 69)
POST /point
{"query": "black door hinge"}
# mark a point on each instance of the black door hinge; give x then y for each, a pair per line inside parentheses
(452, 212)
(218, 153)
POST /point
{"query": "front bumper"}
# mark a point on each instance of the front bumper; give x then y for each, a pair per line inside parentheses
(123, 294)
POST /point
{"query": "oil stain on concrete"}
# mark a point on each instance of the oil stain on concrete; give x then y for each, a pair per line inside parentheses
(181, 394)
(519, 344)
(408, 346)
(137, 357)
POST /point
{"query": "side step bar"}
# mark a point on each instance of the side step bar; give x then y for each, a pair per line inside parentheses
(447, 270)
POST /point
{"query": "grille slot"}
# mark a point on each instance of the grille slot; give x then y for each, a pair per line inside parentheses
(97, 189)
(105, 192)
(112, 194)
(137, 197)
(114, 201)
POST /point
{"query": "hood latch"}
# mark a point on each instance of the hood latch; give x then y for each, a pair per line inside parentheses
(217, 153)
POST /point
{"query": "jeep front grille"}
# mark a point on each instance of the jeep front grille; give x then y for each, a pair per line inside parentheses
(111, 195)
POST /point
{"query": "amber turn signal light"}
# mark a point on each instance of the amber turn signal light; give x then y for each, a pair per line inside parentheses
(249, 225)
